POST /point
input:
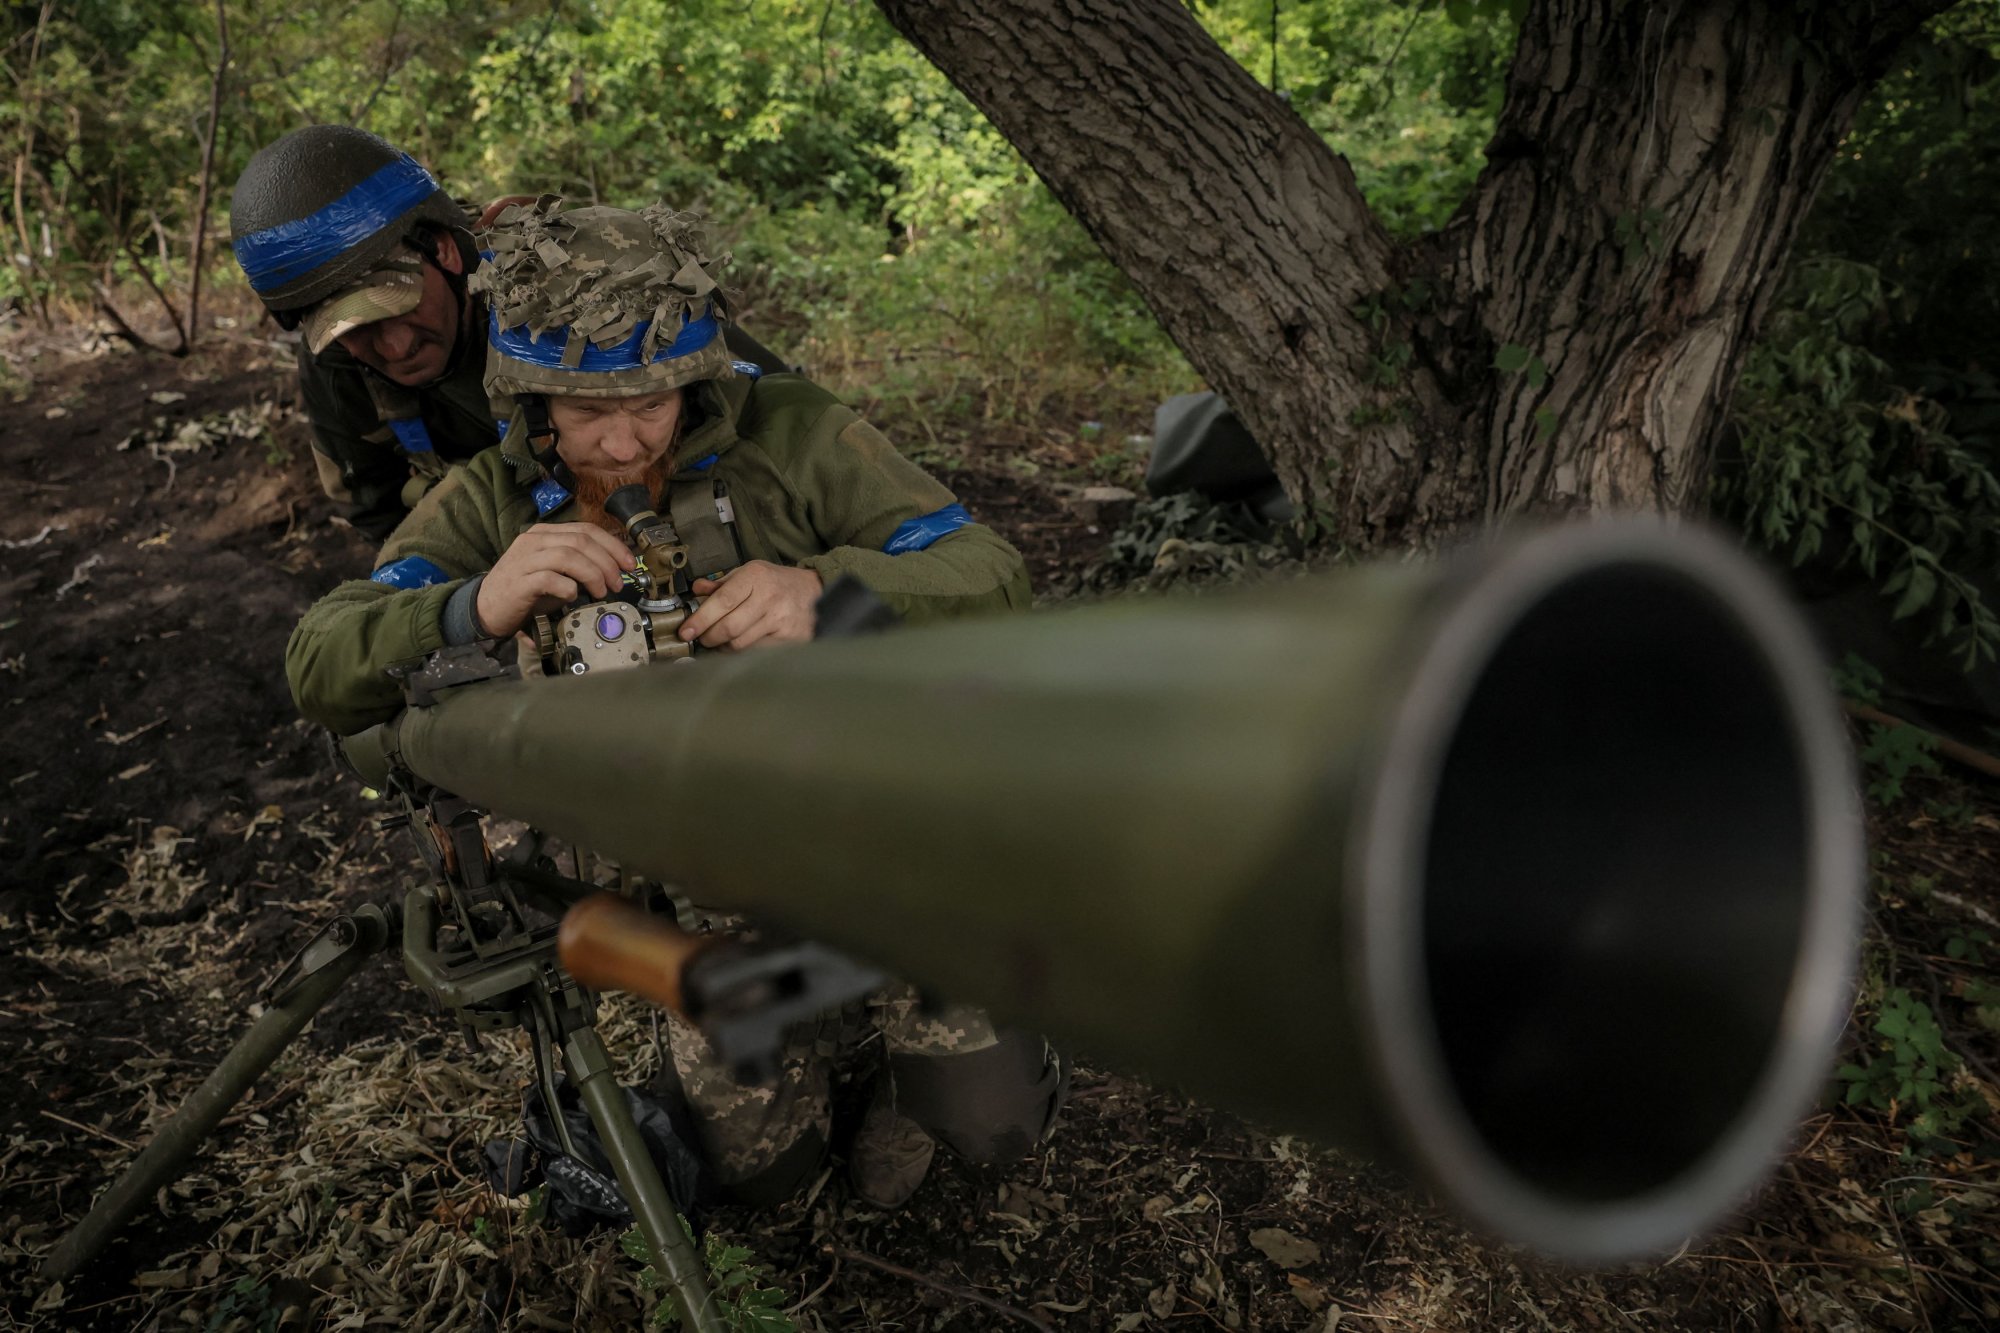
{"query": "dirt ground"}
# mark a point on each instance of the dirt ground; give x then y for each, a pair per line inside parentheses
(170, 832)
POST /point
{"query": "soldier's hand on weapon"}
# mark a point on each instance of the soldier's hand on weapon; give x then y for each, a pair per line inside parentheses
(546, 569)
(758, 602)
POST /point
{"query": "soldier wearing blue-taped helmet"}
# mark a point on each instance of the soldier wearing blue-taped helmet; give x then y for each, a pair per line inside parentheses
(349, 240)
(352, 242)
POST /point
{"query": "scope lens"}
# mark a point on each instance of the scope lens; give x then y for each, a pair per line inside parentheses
(611, 627)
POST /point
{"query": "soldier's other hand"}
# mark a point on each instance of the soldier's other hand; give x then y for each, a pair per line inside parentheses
(548, 567)
(754, 603)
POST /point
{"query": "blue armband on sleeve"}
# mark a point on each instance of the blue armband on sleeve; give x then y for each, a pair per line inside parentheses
(914, 534)
(412, 571)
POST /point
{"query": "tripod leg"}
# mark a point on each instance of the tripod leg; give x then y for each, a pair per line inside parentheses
(674, 1256)
(307, 983)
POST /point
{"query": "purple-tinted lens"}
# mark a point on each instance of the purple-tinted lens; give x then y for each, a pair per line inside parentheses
(611, 627)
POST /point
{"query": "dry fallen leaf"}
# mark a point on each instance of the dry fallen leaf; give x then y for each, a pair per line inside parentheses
(1283, 1248)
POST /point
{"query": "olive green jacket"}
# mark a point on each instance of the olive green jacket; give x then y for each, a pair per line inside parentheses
(811, 484)
(364, 466)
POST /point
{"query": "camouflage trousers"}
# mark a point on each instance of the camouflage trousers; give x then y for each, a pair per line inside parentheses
(989, 1095)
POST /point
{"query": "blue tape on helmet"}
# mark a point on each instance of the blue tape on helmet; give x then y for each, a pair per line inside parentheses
(748, 369)
(277, 255)
(412, 571)
(548, 353)
(549, 496)
(914, 534)
(411, 433)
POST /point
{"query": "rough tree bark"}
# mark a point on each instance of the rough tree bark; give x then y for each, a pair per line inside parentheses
(1648, 173)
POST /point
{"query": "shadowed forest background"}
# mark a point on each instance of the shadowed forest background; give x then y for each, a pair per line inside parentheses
(888, 238)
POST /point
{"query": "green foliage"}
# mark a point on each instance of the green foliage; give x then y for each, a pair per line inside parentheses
(1913, 191)
(1858, 679)
(1407, 92)
(1970, 947)
(1891, 754)
(1841, 464)
(736, 1285)
(247, 1299)
(1908, 1070)
(1868, 416)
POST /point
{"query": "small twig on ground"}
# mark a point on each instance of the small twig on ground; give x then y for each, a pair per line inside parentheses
(35, 540)
(73, 1124)
(816, 1292)
(173, 468)
(945, 1288)
(81, 574)
(1970, 908)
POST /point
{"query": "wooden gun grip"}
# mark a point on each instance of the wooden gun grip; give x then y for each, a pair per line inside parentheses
(608, 944)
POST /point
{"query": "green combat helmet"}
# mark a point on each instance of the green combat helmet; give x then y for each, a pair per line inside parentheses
(598, 303)
(323, 208)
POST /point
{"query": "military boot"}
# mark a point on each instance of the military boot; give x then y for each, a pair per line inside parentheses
(890, 1155)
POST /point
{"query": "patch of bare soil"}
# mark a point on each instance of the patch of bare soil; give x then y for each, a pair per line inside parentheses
(171, 832)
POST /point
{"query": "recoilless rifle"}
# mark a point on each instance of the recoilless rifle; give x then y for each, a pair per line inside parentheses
(1534, 871)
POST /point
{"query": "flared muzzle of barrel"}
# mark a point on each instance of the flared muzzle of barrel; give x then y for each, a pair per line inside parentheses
(1535, 870)
(1607, 878)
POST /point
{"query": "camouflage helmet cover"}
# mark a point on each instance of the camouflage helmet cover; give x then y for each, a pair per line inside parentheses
(627, 301)
(319, 209)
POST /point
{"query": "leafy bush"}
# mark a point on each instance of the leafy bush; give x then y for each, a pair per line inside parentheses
(736, 1283)
(1839, 462)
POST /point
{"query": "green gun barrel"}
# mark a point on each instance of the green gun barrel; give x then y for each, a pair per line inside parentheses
(1534, 870)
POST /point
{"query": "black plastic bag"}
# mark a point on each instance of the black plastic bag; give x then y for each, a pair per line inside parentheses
(583, 1192)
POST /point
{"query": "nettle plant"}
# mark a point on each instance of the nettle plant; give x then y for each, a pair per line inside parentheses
(1905, 1070)
(1839, 465)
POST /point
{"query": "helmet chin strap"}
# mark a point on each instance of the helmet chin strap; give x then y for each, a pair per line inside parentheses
(542, 439)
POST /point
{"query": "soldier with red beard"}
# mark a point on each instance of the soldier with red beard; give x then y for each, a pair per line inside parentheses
(605, 356)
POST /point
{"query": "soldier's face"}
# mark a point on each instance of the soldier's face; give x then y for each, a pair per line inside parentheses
(413, 349)
(619, 437)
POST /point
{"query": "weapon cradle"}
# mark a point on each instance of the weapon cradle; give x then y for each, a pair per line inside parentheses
(514, 980)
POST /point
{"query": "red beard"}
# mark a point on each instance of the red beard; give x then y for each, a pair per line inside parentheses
(594, 488)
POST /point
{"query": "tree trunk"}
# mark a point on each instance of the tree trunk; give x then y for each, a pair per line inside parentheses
(195, 255)
(1648, 173)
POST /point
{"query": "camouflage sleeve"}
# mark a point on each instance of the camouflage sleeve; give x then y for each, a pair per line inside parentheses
(898, 530)
(338, 659)
(360, 468)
